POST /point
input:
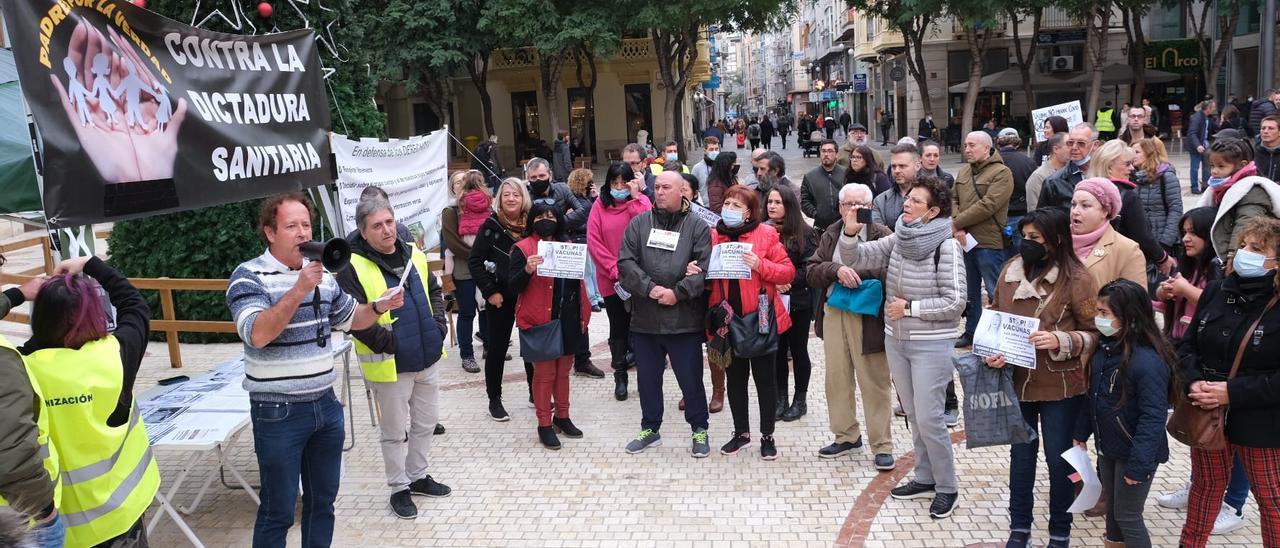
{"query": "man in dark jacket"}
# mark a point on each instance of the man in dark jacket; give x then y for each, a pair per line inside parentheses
(541, 187)
(1022, 166)
(662, 266)
(1267, 158)
(1263, 107)
(1196, 143)
(398, 356)
(845, 120)
(486, 160)
(1082, 142)
(926, 128)
(562, 161)
(819, 190)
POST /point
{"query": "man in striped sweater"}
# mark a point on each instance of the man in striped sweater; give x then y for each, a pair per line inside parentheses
(284, 309)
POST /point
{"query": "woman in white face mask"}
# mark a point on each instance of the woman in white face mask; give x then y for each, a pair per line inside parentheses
(1229, 359)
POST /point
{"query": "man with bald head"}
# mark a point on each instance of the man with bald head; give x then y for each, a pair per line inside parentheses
(661, 267)
(981, 207)
(1082, 142)
(852, 343)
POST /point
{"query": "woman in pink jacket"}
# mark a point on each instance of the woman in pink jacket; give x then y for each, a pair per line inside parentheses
(605, 227)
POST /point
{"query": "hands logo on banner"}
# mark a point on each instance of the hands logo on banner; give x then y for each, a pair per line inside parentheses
(107, 76)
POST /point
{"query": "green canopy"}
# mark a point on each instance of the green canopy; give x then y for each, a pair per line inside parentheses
(18, 189)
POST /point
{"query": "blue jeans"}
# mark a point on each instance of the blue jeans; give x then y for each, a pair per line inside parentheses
(981, 267)
(1238, 489)
(593, 285)
(1199, 171)
(297, 440)
(1054, 421)
(52, 535)
(465, 295)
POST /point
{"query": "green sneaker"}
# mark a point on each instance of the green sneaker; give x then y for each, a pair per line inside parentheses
(645, 439)
(701, 445)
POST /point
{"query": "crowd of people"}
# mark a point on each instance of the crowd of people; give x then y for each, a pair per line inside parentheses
(1143, 303)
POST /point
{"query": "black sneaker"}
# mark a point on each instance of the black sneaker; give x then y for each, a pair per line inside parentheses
(943, 505)
(403, 506)
(497, 412)
(885, 462)
(588, 369)
(739, 441)
(1018, 539)
(566, 427)
(547, 435)
(439, 431)
(768, 449)
(428, 487)
(964, 342)
(839, 448)
(912, 490)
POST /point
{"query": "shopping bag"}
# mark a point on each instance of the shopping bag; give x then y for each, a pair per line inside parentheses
(992, 415)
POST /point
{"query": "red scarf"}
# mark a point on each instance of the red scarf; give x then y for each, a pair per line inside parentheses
(1221, 190)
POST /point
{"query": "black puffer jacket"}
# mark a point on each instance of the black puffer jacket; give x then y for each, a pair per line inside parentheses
(1223, 315)
(1260, 109)
(1131, 428)
(1162, 202)
(801, 299)
(1268, 162)
(493, 245)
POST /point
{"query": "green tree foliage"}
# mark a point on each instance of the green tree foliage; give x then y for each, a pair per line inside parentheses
(978, 17)
(210, 242)
(913, 19)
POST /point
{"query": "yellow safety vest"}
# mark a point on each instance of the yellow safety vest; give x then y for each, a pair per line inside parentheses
(1104, 122)
(108, 475)
(47, 451)
(378, 367)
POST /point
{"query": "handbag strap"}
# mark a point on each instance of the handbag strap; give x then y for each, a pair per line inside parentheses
(1244, 341)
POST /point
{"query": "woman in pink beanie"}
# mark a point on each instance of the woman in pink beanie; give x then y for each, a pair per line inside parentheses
(1106, 253)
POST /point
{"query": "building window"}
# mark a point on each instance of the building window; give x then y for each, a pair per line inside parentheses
(639, 111)
(582, 136)
(524, 118)
(424, 119)
(871, 28)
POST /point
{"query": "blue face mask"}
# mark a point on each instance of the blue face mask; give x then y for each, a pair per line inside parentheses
(1248, 264)
(712, 155)
(1106, 326)
(620, 194)
(1215, 181)
(732, 218)
(671, 157)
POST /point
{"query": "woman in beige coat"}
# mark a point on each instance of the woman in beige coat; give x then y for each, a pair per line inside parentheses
(1107, 254)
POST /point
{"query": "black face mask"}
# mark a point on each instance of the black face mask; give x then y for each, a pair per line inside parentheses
(544, 227)
(1032, 252)
(538, 188)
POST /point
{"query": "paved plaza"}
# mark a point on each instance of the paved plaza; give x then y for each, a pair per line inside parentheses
(510, 491)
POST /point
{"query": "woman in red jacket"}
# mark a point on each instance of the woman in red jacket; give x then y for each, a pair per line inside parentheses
(539, 297)
(770, 267)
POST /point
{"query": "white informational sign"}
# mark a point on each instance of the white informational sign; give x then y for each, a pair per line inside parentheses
(727, 263)
(413, 172)
(1072, 111)
(1008, 334)
(562, 260)
(206, 409)
(710, 217)
(1079, 459)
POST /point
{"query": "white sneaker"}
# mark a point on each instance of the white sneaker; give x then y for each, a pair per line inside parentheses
(1227, 521)
(1177, 499)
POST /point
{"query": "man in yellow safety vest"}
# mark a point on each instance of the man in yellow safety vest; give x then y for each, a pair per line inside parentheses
(398, 355)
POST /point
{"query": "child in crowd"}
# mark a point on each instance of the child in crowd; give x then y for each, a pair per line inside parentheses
(1130, 386)
(1238, 194)
(475, 204)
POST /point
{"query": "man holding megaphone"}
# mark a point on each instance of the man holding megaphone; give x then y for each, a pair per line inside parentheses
(285, 308)
(398, 355)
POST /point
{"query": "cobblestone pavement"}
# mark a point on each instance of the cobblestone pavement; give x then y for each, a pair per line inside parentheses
(509, 491)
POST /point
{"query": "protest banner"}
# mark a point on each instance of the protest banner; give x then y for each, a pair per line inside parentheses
(413, 172)
(1008, 334)
(1071, 111)
(562, 260)
(726, 262)
(139, 114)
(710, 217)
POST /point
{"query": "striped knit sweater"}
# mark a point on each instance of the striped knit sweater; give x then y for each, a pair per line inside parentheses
(293, 367)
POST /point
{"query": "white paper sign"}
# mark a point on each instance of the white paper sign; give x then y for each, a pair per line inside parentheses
(562, 260)
(1008, 334)
(1079, 459)
(969, 242)
(710, 217)
(726, 262)
(1071, 111)
(412, 171)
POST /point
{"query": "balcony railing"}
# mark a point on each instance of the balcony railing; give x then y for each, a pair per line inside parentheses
(632, 50)
(1057, 18)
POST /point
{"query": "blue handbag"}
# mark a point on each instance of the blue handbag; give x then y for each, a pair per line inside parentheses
(866, 299)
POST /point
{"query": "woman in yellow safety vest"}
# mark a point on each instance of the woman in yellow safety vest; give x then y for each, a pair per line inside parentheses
(28, 463)
(86, 373)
